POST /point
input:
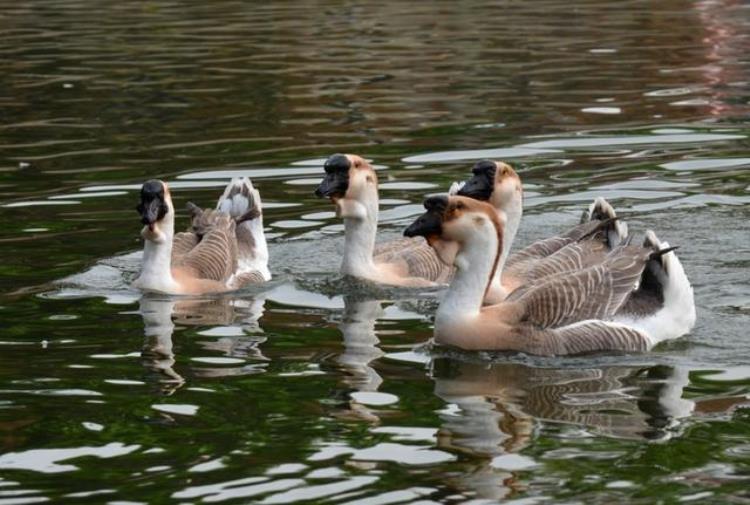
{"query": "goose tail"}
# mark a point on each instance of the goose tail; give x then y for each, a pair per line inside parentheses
(665, 281)
(601, 210)
(455, 187)
(241, 200)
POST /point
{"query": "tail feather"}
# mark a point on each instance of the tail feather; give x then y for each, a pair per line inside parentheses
(666, 298)
(239, 198)
(455, 188)
(242, 202)
(601, 210)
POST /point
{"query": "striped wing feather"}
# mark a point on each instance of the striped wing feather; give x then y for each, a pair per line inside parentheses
(419, 259)
(571, 258)
(247, 278)
(183, 243)
(580, 338)
(543, 248)
(594, 293)
(215, 256)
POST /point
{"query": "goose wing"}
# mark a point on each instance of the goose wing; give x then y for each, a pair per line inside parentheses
(519, 262)
(215, 256)
(417, 257)
(183, 243)
(571, 258)
(594, 293)
(246, 278)
(386, 249)
(582, 337)
(599, 222)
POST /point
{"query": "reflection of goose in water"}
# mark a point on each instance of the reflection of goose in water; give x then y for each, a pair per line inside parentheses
(231, 319)
(357, 326)
(493, 410)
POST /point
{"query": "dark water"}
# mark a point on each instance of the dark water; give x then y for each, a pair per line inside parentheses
(315, 389)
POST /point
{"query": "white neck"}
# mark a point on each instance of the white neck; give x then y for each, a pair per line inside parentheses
(510, 215)
(509, 210)
(360, 227)
(474, 263)
(258, 259)
(513, 214)
(156, 272)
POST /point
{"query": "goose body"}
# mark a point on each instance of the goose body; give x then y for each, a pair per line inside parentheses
(351, 183)
(569, 312)
(499, 185)
(223, 249)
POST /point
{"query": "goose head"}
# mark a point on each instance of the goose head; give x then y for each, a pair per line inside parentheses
(457, 219)
(350, 182)
(494, 182)
(155, 207)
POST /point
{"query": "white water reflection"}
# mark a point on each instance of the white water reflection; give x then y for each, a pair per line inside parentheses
(500, 153)
(48, 460)
(706, 164)
(360, 341)
(404, 454)
(557, 145)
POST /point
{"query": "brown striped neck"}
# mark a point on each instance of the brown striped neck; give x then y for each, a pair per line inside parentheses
(499, 253)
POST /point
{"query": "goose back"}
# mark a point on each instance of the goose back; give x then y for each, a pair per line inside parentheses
(415, 256)
(183, 243)
(214, 256)
(596, 292)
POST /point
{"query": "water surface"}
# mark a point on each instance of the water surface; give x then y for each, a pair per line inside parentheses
(316, 389)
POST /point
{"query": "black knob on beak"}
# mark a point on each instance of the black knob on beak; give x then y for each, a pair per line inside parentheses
(336, 181)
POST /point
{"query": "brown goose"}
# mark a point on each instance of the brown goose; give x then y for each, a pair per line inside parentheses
(224, 249)
(497, 183)
(569, 313)
(352, 185)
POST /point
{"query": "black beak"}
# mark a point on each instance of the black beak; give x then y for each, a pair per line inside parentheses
(153, 207)
(150, 211)
(336, 181)
(429, 223)
(478, 188)
(334, 184)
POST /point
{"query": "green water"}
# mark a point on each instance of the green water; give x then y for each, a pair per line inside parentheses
(316, 389)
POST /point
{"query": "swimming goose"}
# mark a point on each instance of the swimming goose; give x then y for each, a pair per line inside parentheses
(569, 313)
(352, 185)
(498, 184)
(223, 250)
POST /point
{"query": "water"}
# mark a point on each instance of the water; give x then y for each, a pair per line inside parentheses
(314, 388)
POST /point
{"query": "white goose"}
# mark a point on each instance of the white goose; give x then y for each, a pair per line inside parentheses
(223, 250)
(569, 313)
(497, 183)
(352, 184)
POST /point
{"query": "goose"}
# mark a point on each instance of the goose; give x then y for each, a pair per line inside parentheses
(352, 185)
(224, 249)
(497, 183)
(568, 313)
